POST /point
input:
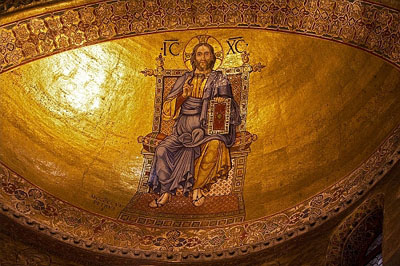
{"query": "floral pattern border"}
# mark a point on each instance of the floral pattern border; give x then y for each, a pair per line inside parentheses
(371, 27)
(27, 204)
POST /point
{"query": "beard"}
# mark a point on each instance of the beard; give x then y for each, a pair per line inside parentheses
(203, 65)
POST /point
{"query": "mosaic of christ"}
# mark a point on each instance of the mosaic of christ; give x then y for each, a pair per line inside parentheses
(189, 159)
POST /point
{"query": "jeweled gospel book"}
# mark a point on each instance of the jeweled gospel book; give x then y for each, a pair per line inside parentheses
(219, 115)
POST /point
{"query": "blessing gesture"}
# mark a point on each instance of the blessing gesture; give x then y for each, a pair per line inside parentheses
(187, 89)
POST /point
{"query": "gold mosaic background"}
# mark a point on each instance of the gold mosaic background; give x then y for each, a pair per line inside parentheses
(69, 122)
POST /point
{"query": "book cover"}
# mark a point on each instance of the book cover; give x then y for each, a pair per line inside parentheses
(219, 117)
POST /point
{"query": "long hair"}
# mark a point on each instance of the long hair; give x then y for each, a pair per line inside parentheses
(193, 57)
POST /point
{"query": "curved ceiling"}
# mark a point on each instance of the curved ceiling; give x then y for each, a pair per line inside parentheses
(71, 120)
(326, 115)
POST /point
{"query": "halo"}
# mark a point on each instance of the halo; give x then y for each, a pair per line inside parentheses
(218, 50)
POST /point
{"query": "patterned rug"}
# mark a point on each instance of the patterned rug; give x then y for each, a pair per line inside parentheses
(180, 211)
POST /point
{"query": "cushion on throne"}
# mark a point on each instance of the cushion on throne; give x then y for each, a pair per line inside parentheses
(242, 142)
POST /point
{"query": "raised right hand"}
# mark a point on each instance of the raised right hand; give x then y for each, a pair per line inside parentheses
(187, 89)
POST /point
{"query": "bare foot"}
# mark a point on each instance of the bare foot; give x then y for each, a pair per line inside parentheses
(161, 201)
(198, 197)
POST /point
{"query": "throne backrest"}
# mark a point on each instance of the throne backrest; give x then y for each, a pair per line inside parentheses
(238, 78)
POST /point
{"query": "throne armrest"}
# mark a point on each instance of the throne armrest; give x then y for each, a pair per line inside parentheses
(242, 142)
(151, 141)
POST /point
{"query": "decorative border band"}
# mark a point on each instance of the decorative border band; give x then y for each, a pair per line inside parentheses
(34, 208)
(371, 27)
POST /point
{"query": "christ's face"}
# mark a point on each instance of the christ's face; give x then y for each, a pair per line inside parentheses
(203, 58)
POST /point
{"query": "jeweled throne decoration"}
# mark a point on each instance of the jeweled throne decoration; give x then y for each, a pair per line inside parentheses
(224, 201)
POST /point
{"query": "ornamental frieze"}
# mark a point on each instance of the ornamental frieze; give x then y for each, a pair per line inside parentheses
(41, 211)
(361, 24)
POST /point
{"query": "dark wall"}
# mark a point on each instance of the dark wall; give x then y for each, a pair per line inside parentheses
(391, 222)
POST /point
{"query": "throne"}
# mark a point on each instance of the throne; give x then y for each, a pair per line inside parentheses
(224, 201)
